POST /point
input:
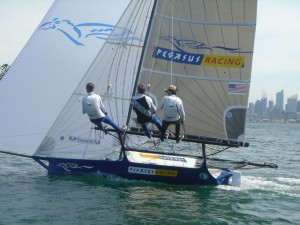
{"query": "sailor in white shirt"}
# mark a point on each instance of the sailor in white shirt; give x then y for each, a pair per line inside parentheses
(173, 112)
(92, 105)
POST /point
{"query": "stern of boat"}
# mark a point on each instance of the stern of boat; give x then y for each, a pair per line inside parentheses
(168, 168)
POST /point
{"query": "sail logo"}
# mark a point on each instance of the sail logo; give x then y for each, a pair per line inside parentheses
(223, 61)
(185, 45)
(176, 56)
(198, 59)
(79, 33)
(181, 53)
(152, 172)
(83, 140)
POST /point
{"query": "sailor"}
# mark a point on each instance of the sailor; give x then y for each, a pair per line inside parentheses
(92, 105)
(173, 112)
(145, 110)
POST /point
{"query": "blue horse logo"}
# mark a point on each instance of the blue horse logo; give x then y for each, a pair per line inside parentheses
(191, 44)
(78, 33)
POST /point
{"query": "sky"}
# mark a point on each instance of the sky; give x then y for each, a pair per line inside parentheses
(276, 51)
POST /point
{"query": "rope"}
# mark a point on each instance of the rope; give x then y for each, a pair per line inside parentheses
(156, 43)
(172, 31)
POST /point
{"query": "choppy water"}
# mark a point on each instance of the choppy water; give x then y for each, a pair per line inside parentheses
(267, 196)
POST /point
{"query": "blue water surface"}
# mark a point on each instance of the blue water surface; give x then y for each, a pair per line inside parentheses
(267, 196)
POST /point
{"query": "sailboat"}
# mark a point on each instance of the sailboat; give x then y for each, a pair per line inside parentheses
(204, 47)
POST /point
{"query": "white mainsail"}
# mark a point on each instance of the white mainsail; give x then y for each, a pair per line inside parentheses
(44, 75)
(205, 48)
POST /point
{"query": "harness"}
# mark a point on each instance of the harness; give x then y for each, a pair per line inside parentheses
(140, 108)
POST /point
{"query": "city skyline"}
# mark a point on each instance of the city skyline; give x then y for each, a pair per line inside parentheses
(265, 110)
(273, 98)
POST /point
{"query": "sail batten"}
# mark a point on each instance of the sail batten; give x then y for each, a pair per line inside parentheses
(207, 22)
(189, 76)
(124, 44)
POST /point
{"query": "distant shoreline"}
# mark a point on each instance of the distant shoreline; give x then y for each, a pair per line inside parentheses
(290, 121)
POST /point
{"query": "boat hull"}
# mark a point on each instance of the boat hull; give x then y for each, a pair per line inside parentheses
(134, 171)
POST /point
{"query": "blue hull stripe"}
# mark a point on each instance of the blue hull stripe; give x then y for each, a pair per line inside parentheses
(134, 171)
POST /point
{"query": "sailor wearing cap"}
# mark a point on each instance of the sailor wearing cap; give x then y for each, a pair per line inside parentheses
(173, 112)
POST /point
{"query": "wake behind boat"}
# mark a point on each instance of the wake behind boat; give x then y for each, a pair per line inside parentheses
(205, 48)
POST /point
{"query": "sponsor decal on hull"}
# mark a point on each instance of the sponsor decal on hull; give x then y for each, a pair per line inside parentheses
(163, 157)
(152, 172)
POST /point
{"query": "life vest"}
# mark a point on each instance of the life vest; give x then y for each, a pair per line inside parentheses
(142, 110)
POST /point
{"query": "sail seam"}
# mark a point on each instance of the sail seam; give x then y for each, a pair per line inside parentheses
(195, 77)
(123, 44)
(206, 22)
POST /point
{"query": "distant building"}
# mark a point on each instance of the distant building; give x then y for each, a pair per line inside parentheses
(264, 110)
(251, 110)
(291, 106)
(279, 100)
(270, 106)
(264, 105)
(258, 109)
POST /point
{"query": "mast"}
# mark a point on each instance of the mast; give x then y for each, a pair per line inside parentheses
(142, 58)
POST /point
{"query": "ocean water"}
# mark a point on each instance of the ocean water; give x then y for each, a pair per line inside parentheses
(267, 196)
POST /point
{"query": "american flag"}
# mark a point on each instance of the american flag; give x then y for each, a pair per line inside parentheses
(237, 88)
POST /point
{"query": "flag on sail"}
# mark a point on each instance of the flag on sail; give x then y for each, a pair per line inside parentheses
(237, 88)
